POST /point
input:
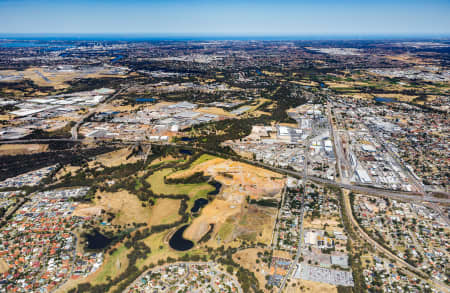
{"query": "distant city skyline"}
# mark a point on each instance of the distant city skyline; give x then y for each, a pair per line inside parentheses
(229, 18)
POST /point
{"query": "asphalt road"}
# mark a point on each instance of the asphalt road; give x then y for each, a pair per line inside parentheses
(408, 196)
(300, 238)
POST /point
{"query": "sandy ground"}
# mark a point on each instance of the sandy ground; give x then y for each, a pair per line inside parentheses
(309, 286)
(127, 207)
(338, 85)
(362, 96)
(21, 149)
(115, 158)
(318, 223)
(216, 212)
(305, 82)
(241, 180)
(216, 111)
(229, 211)
(86, 210)
(57, 80)
(282, 254)
(3, 266)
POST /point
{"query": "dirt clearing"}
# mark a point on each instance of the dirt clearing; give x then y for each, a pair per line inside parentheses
(126, 207)
(310, 287)
(21, 149)
(115, 158)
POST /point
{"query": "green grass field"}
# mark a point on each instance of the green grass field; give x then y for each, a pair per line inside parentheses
(203, 158)
(110, 268)
(158, 186)
(226, 230)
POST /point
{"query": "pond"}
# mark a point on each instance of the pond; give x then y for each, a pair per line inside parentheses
(96, 240)
(217, 186)
(117, 58)
(177, 241)
(185, 152)
(145, 100)
(386, 100)
(198, 204)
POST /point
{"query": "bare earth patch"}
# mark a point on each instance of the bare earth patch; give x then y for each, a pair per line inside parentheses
(229, 212)
(115, 158)
(21, 149)
(126, 207)
(216, 111)
(3, 266)
(309, 286)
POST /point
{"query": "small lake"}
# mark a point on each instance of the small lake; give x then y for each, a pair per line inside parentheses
(97, 240)
(217, 185)
(145, 100)
(185, 152)
(385, 100)
(117, 58)
(198, 204)
(177, 241)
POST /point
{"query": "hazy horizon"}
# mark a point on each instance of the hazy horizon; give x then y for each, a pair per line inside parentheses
(217, 37)
(231, 18)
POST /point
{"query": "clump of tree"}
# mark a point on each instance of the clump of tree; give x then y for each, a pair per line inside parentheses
(197, 177)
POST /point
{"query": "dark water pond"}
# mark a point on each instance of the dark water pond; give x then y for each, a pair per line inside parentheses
(96, 240)
(198, 204)
(185, 152)
(177, 241)
(217, 186)
(144, 100)
(117, 58)
(386, 100)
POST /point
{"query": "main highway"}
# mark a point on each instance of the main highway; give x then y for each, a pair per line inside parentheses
(407, 196)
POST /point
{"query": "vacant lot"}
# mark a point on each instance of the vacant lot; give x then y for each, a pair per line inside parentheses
(165, 211)
(247, 258)
(309, 286)
(126, 207)
(216, 111)
(115, 158)
(3, 266)
(21, 149)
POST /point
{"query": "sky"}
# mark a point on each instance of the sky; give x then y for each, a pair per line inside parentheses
(226, 17)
